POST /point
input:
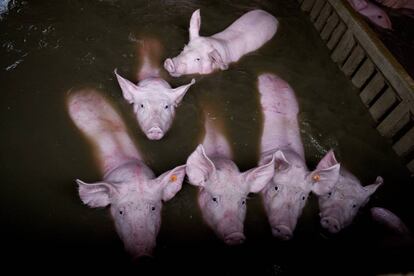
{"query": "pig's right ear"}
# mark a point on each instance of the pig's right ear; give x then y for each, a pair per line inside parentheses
(323, 180)
(195, 23)
(199, 167)
(327, 161)
(216, 58)
(96, 194)
(127, 87)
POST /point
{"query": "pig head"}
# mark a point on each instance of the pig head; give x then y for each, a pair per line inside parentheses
(286, 194)
(223, 191)
(374, 13)
(340, 205)
(154, 103)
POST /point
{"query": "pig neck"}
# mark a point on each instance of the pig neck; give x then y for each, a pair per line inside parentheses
(215, 145)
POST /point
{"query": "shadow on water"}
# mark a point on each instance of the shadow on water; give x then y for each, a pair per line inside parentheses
(48, 47)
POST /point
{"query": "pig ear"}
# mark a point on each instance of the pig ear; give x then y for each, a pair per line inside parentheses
(171, 182)
(216, 58)
(127, 87)
(358, 4)
(370, 189)
(199, 167)
(281, 162)
(327, 161)
(323, 180)
(178, 93)
(195, 23)
(258, 178)
(96, 194)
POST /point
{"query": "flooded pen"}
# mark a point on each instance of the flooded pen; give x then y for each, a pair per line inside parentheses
(51, 49)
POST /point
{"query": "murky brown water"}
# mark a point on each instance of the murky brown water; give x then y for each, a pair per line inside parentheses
(47, 47)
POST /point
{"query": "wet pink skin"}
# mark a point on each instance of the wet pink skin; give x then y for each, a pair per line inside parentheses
(154, 101)
(373, 12)
(204, 55)
(340, 205)
(130, 189)
(223, 189)
(286, 193)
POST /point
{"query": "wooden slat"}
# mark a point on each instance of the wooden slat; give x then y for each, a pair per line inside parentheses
(410, 166)
(354, 60)
(316, 9)
(383, 104)
(336, 35)
(364, 73)
(307, 5)
(323, 17)
(405, 144)
(331, 24)
(395, 121)
(372, 89)
(344, 47)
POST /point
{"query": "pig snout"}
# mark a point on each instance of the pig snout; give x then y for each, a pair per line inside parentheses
(175, 68)
(234, 238)
(155, 133)
(282, 232)
(140, 251)
(169, 65)
(331, 224)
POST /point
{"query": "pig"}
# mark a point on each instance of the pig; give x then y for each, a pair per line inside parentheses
(154, 101)
(286, 194)
(128, 186)
(340, 205)
(390, 220)
(223, 189)
(397, 4)
(203, 55)
(371, 11)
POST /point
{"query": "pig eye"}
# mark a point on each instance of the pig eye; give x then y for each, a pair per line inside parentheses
(142, 106)
(153, 208)
(197, 59)
(276, 188)
(353, 205)
(379, 16)
(303, 197)
(166, 107)
(214, 199)
(120, 212)
(243, 202)
(329, 194)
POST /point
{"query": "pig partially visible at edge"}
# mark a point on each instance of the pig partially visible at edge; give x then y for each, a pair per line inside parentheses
(285, 195)
(223, 189)
(203, 55)
(154, 101)
(129, 187)
(371, 11)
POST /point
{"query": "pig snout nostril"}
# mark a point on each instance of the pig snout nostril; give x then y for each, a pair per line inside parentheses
(155, 133)
(169, 65)
(283, 232)
(234, 239)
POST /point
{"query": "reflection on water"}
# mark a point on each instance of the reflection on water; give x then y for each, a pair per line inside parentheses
(47, 47)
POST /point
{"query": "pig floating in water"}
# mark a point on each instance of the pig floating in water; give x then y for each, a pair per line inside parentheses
(203, 55)
(286, 194)
(397, 4)
(223, 189)
(129, 187)
(154, 101)
(339, 207)
(374, 13)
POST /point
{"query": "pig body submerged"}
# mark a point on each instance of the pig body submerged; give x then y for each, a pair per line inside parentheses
(286, 194)
(154, 101)
(223, 189)
(339, 206)
(129, 187)
(203, 55)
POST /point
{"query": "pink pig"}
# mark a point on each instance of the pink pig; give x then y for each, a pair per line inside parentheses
(374, 13)
(154, 101)
(286, 194)
(339, 207)
(223, 188)
(398, 4)
(203, 55)
(129, 187)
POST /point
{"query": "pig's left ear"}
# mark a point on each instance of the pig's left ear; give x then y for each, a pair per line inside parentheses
(370, 189)
(171, 182)
(327, 161)
(195, 23)
(323, 180)
(127, 87)
(258, 178)
(216, 58)
(177, 94)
